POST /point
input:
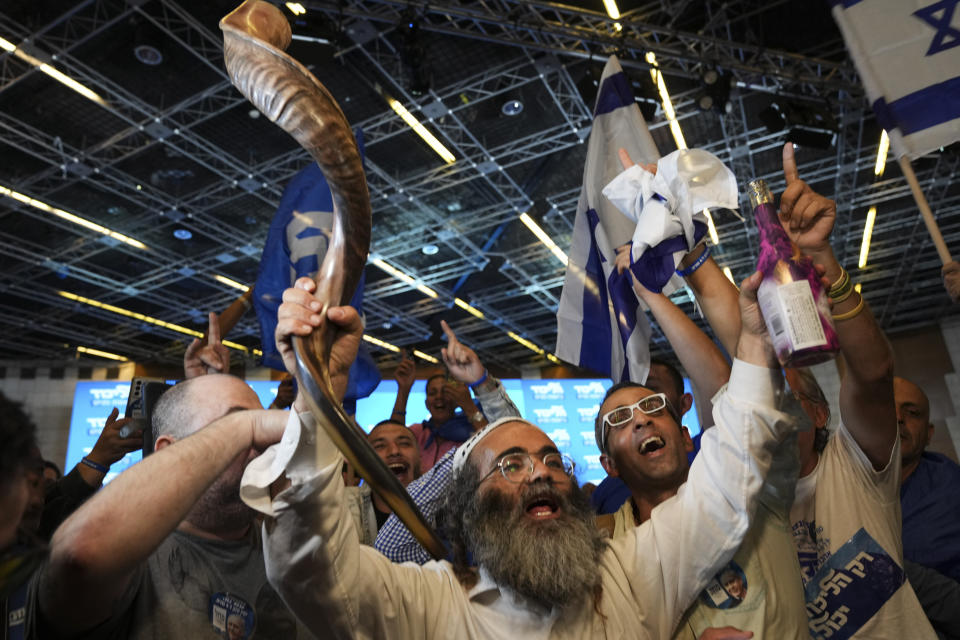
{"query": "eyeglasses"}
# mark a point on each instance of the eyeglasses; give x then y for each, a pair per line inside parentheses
(517, 467)
(651, 405)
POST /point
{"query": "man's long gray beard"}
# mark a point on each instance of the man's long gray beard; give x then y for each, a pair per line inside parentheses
(554, 562)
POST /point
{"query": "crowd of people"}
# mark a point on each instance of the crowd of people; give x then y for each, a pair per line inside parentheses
(249, 523)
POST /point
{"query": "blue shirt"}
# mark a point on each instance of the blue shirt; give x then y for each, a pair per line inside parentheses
(930, 501)
(612, 492)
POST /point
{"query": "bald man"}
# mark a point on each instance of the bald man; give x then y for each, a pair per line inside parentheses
(929, 489)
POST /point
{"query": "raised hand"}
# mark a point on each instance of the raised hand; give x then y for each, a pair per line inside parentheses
(457, 394)
(299, 314)
(754, 346)
(626, 162)
(406, 371)
(110, 447)
(200, 359)
(461, 361)
(805, 215)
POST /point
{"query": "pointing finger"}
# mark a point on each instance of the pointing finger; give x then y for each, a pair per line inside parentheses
(213, 328)
(451, 336)
(789, 164)
(625, 158)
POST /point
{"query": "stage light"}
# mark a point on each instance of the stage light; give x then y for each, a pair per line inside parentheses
(867, 233)
(102, 354)
(70, 217)
(421, 131)
(544, 238)
(230, 283)
(400, 275)
(882, 150)
(53, 72)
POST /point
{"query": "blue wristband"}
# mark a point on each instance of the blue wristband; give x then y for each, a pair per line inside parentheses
(483, 378)
(94, 465)
(685, 273)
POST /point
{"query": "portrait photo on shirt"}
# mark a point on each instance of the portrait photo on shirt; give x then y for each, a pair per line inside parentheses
(727, 589)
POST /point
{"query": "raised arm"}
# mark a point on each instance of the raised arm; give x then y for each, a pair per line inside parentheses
(717, 297)
(698, 354)
(98, 549)
(405, 374)
(337, 587)
(724, 482)
(70, 491)
(211, 356)
(866, 391)
(465, 366)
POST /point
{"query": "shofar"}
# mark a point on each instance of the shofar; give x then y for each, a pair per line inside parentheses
(254, 37)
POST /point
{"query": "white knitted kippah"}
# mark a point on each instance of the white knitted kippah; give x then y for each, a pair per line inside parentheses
(463, 451)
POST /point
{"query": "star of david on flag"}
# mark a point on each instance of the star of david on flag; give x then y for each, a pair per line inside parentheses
(907, 53)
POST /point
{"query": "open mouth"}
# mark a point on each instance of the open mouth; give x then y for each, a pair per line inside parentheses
(399, 469)
(651, 444)
(542, 508)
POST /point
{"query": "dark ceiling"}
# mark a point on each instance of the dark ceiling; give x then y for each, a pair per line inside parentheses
(175, 148)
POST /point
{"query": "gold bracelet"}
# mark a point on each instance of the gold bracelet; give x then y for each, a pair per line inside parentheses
(841, 288)
(852, 313)
(840, 298)
(841, 281)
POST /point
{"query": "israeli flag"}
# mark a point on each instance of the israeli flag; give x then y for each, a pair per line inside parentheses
(600, 322)
(908, 55)
(298, 239)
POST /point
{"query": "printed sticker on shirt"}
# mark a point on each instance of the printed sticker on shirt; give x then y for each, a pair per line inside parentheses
(231, 616)
(727, 589)
(813, 548)
(850, 587)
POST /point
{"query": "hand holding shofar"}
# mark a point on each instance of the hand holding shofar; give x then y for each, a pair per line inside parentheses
(254, 37)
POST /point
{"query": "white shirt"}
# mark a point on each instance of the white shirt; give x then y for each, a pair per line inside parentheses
(340, 588)
(846, 528)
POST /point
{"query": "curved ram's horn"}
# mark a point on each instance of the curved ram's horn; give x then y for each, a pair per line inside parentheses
(254, 36)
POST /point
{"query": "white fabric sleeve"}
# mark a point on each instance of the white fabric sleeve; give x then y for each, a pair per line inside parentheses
(496, 404)
(335, 586)
(670, 558)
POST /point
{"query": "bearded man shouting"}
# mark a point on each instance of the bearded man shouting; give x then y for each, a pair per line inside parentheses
(540, 569)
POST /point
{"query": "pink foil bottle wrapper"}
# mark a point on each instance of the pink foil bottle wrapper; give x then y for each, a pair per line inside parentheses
(792, 299)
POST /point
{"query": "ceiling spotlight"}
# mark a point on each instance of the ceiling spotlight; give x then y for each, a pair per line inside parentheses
(716, 92)
(512, 108)
(148, 54)
(430, 249)
(253, 113)
(182, 234)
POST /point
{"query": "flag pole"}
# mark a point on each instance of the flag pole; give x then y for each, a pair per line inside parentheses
(925, 211)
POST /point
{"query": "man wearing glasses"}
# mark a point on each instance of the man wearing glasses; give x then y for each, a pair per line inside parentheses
(540, 568)
(650, 456)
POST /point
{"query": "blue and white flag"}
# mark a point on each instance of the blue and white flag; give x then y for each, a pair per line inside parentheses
(600, 323)
(296, 243)
(908, 55)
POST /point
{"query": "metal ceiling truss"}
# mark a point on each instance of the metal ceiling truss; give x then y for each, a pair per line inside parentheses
(550, 27)
(523, 294)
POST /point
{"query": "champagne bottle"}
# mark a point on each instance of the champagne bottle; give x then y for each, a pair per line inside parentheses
(792, 299)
